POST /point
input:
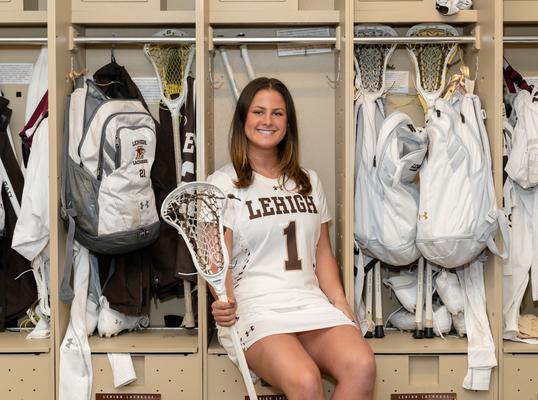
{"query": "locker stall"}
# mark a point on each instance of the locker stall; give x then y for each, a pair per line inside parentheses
(518, 378)
(312, 80)
(406, 365)
(167, 361)
(27, 365)
(318, 85)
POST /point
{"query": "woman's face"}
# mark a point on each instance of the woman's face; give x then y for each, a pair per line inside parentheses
(267, 120)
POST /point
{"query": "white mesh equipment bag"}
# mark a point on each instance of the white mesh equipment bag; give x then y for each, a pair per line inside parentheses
(458, 216)
(386, 194)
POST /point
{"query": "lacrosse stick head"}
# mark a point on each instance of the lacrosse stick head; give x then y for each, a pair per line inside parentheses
(371, 60)
(431, 60)
(172, 63)
(194, 209)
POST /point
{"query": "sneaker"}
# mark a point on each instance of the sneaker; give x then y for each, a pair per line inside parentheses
(450, 291)
(112, 322)
(405, 288)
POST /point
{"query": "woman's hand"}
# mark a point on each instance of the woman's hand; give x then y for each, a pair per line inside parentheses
(342, 304)
(224, 312)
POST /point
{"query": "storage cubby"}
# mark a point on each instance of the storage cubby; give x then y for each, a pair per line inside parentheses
(518, 378)
(482, 59)
(170, 375)
(27, 365)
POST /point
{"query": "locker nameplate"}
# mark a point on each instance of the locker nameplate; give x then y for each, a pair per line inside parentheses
(270, 397)
(127, 396)
(423, 396)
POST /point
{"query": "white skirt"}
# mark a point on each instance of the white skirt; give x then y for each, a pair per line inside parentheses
(255, 323)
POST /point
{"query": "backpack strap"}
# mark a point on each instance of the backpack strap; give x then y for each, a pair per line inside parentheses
(495, 218)
(69, 214)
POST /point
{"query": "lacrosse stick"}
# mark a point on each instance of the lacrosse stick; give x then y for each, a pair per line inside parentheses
(379, 332)
(229, 72)
(431, 65)
(194, 209)
(172, 64)
(371, 61)
(431, 61)
(419, 329)
(428, 323)
(228, 68)
(369, 293)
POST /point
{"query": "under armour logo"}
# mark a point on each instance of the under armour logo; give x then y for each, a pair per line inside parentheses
(423, 216)
(144, 205)
(70, 342)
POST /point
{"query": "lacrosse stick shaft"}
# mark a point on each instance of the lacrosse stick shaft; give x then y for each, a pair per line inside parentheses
(247, 62)
(229, 72)
(428, 323)
(369, 294)
(243, 367)
(419, 332)
(188, 319)
(379, 333)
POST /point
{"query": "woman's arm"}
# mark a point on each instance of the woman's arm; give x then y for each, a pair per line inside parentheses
(328, 275)
(224, 312)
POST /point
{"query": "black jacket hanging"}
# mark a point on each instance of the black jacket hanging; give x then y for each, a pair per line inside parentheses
(16, 296)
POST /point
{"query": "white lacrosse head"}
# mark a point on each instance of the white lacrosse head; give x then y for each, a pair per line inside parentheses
(431, 59)
(371, 60)
(172, 63)
(194, 209)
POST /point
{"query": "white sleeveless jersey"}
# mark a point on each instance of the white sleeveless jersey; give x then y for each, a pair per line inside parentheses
(275, 236)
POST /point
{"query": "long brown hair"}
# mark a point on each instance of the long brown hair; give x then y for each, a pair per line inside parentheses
(288, 148)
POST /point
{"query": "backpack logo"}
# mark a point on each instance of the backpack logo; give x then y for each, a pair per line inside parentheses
(140, 151)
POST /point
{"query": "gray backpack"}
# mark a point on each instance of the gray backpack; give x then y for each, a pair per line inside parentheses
(109, 148)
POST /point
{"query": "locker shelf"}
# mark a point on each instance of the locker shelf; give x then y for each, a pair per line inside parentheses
(21, 18)
(310, 17)
(517, 347)
(390, 12)
(16, 342)
(396, 342)
(147, 341)
(520, 11)
(150, 18)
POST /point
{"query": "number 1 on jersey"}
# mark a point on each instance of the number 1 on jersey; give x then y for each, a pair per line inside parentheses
(293, 262)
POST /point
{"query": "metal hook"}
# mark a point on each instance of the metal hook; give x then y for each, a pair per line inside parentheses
(334, 83)
(112, 51)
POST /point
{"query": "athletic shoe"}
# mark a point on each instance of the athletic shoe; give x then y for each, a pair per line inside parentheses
(458, 320)
(112, 322)
(451, 7)
(450, 291)
(405, 288)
